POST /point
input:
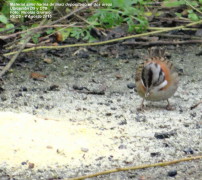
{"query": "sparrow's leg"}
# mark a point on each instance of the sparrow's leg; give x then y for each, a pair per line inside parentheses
(169, 107)
(141, 108)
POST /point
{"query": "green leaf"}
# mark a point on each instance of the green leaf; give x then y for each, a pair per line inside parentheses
(3, 19)
(76, 33)
(105, 1)
(131, 25)
(35, 38)
(117, 3)
(193, 3)
(10, 26)
(82, 33)
(193, 17)
(2, 29)
(131, 11)
(190, 11)
(65, 32)
(50, 31)
(35, 25)
(122, 4)
(88, 36)
(175, 3)
(24, 27)
(148, 14)
(178, 14)
(107, 18)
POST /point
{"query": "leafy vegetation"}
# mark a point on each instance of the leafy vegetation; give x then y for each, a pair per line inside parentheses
(194, 8)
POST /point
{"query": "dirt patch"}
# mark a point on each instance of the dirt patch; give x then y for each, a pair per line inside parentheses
(66, 129)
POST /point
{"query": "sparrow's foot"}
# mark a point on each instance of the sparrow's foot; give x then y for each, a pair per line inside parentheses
(169, 107)
(141, 108)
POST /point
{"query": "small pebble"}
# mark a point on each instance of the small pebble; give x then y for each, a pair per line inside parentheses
(3, 98)
(122, 146)
(199, 125)
(23, 89)
(186, 125)
(165, 145)
(31, 165)
(193, 114)
(48, 60)
(153, 154)
(118, 76)
(18, 94)
(129, 160)
(23, 163)
(113, 108)
(180, 71)
(164, 135)
(172, 173)
(49, 147)
(142, 178)
(54, 87)
(108, 114)
(188, 151)
(2, 89)
(75, 87)
(84, 149)
(131, 85)
(110, 157)
(140, 118)
(124, 122)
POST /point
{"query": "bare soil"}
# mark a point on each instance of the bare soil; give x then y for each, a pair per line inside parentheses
(82, 118)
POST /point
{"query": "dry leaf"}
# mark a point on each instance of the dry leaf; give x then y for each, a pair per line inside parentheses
(37, 76)
(48, 60)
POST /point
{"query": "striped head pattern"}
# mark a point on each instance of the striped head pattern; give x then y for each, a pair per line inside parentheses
(153, 77)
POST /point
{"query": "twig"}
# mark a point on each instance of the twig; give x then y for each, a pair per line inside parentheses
(185, 29)
(71, 13)
(46, 37)
(10, 63)
(196, 9)
(87, 22)
(49, 24)
(182, 20)
(194, 106)
(28, 37)
(163, 42)
(85, 90)
(108, 41)
(34, 29)
(179, 36)
(137, 167)
(93, 92)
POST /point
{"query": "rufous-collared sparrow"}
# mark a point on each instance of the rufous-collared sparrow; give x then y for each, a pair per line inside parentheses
(156, 79)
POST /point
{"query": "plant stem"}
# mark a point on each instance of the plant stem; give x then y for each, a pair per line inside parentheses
(109, 41)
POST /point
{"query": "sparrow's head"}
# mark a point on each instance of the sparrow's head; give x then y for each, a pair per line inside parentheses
(153, 77)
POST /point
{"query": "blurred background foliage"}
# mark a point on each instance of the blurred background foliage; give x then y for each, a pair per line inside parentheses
(135, 15)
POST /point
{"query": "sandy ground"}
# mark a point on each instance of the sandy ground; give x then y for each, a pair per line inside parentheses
(63, 132)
